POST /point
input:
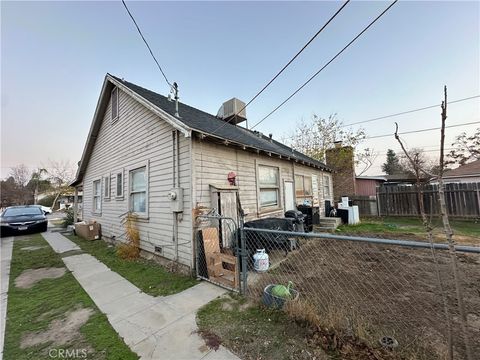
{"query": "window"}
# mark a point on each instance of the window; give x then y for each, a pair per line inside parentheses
(114, 104)
(138, 190)
(97, 196)
(268, 180)
(119, 185)
(326, 186)
(303, 189)
(106, 187)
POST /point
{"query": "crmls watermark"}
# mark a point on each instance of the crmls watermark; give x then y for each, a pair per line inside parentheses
(67, 353)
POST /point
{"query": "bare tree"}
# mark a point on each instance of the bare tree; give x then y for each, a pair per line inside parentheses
(21, 174)
(364, 160)
(15, 189)
(60, 174)
(449, 233)
(418, 161)
(417, 166)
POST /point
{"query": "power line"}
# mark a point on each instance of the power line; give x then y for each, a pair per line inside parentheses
(416, 147)
(146, 43)
(410, 111)
(286, 65)
(328, 63)
(422, 130)
(387, 116)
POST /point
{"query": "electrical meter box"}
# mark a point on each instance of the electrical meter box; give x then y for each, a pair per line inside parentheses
(176, 199)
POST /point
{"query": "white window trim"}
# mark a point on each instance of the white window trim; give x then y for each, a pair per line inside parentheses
(107, 181)
(327, 196)
(146, 165)
(268, 208)
(121, 172)
(96, 211)
(117, 92)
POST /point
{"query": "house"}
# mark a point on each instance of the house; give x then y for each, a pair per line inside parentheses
(367, 185)
(467, 173)
(142, 156)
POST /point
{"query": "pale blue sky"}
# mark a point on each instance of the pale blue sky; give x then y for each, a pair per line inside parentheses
(54, 56)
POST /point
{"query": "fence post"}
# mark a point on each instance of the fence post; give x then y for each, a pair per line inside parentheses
(243, 254)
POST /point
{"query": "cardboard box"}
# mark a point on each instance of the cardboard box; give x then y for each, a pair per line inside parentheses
(88, 231)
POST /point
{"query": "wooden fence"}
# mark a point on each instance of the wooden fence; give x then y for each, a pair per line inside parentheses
(367, 205)
(463, 200)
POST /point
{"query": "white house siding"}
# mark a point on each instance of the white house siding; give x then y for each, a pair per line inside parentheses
(136, 138)
(213, 162)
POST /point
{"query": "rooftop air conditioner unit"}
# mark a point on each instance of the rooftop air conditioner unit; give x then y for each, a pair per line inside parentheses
(230, 108)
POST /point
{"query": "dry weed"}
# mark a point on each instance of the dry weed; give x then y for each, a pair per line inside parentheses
(131, 249)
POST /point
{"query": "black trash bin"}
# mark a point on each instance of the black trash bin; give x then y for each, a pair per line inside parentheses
(268, 241)
(298, 219)
(312, 216)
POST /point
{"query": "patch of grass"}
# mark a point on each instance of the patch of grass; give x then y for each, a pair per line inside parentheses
(406, 225)
(255, 332)
(147, 275)
(33, 309)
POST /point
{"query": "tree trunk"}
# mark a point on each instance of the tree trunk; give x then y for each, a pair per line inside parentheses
(449, 234)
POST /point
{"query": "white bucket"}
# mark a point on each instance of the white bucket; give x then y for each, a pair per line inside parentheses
(260, 261)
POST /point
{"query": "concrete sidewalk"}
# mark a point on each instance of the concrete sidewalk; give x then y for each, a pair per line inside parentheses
(6, 248)
(153, 327)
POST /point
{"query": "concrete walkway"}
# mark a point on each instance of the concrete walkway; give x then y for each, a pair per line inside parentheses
(153, 327)
(6, 247)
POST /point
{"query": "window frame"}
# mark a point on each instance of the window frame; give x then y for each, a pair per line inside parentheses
(303, 196)
(120, 196)
(269, 187)
(327, 186)
(141, 215)
(107, 187)
(95, 195)
(114, 93)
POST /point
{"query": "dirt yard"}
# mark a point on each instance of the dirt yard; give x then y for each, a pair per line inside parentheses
(371, 291)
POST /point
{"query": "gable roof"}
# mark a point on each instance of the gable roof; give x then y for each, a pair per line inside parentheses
(470, 169)
(190, 120)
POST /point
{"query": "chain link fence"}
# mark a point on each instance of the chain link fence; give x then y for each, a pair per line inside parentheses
(397, 294)
(218, 251)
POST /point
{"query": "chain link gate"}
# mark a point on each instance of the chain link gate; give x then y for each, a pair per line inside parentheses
(220, 252)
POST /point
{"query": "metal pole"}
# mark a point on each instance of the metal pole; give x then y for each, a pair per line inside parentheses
(404, 243)
(243, 254)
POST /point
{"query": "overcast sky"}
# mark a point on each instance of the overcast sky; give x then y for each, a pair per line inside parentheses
(54, 56)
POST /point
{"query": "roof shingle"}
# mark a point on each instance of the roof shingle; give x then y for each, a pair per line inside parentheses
(209, 124)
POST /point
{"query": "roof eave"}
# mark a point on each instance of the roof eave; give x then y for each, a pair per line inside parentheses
(96, 121)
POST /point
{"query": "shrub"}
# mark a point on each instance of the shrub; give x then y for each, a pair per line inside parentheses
(68, 219)
(47, 200)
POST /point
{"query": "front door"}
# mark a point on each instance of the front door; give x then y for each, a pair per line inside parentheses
(289, 195)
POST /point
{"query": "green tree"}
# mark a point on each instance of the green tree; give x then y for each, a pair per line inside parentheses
(465, 149)
(392, 164)
(315, 136)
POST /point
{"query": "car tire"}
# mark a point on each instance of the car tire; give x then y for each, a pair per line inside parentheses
(44, 228)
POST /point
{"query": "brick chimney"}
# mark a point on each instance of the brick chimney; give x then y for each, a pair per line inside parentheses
(341, 160)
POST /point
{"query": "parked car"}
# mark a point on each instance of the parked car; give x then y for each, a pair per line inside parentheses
(46, 210)
(22, 219)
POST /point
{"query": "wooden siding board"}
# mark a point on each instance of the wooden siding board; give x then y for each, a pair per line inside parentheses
(212, 162)
(136, 137)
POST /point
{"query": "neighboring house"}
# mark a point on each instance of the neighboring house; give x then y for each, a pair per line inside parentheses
(64, 201)
(367, 185)
(141, 157)
(465, 173)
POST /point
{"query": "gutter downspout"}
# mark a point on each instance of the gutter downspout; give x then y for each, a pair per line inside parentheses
(174, 183)
(75, 206)
(178, 216)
